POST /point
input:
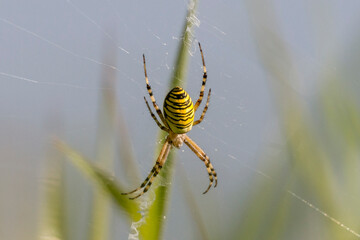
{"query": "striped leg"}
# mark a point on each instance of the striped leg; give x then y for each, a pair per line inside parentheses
(154, 169)
(205, 109)
(201, 154)
(154, 117)
(197, 104)
(158, 111)
(159, 163)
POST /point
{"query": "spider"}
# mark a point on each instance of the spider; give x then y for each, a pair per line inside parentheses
(178, 119)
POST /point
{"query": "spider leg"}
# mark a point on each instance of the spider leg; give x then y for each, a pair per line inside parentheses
(161, 160)
(143, 184)
(158, 111)
(205, 109)
(154, 117)
(197, 104)
(154, 172)
(201, 154)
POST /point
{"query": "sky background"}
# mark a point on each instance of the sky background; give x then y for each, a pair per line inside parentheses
(53, 55)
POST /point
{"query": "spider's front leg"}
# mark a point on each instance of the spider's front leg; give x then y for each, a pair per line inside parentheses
(201, 154)
(154, 172)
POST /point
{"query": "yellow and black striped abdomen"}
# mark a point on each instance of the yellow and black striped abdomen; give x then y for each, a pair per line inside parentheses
(179, 110)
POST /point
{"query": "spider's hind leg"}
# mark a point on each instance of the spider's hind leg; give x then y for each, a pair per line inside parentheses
(154, 117)
(205, 109)
(198, 102)
(148, 87)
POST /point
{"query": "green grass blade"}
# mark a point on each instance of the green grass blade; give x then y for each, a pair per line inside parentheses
(52, 221)
(179, 76)
(100, 212)
(104, 180)
(308, 165)
(154, 222)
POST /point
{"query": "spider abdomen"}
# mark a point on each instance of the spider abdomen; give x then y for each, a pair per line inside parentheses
(179, 110)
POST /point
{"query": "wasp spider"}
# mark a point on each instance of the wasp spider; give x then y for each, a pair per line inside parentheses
(178, 119)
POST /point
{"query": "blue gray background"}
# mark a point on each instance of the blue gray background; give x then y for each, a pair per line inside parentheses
(52, 58)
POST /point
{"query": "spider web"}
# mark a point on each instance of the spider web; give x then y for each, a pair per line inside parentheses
(52, 60)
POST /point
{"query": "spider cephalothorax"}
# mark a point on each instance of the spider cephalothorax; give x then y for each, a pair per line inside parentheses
(178, 119)
(177, 140)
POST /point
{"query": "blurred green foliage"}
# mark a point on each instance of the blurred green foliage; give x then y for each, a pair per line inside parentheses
(311, 193)
(147, 215)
